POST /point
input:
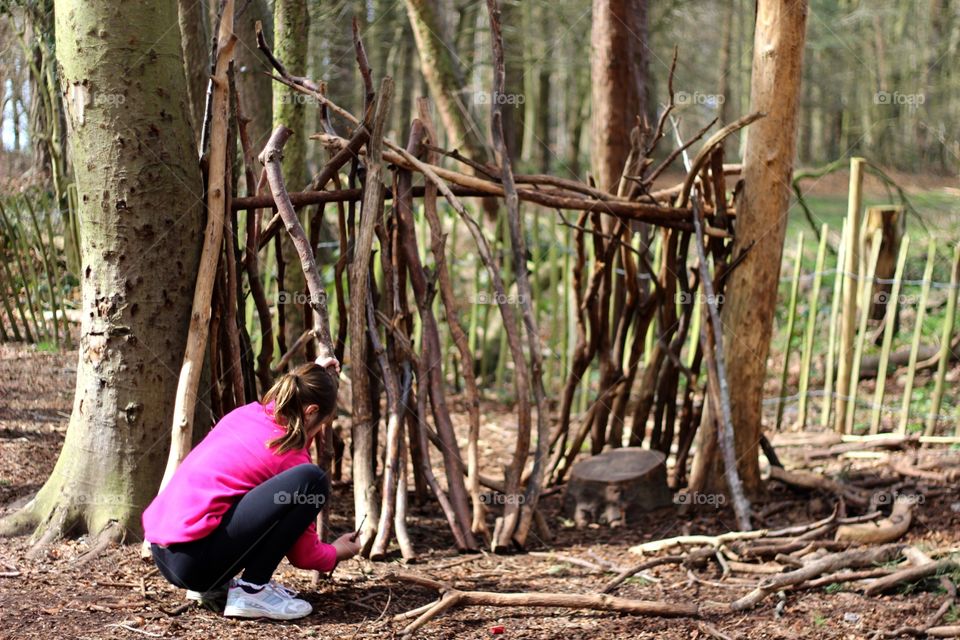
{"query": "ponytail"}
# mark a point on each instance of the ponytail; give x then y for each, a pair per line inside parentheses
(291, 394)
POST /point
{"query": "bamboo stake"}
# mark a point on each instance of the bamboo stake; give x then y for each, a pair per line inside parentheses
(13, 289)
(56, 306)
(186, 398)
(828, 370)
(850, 287)
(810, 329)
(865, 294)
(46, 270)
(944, 355)
(891, 321)
(917, 333)
(39, 330)
(791, 320)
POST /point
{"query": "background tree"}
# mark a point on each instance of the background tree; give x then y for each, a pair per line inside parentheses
(139, 191)
(619, 84)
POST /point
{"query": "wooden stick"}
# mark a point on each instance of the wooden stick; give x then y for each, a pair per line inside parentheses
(532, 374)
(637, 568)
(712, 339)
(271, 157)
(364, 443)
(910, 574)
(186, 398)
(460, 338)
(452, 597)
(831, 563)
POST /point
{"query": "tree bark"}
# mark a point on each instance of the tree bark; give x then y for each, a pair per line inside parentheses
(195, 36)
(253, 86)
(291, 32)
(139, 192)
(618, 68)
(748, 311)
(444, 78)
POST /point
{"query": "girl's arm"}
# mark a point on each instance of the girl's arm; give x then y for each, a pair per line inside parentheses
(308, 552)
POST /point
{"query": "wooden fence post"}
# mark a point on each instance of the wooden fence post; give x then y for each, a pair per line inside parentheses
(917, 332)
(828, 369)
(945, 337)
(810, 328)
(848, 317)
(866, 291)
(891, 309)
(791, 319)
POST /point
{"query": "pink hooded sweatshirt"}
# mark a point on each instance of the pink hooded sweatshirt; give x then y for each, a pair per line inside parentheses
(233, 459)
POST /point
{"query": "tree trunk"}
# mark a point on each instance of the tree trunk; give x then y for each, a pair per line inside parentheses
(291, 28)
(618, 68)
(748, 312)
(138, 183)
(445, 80)
(253, 86)
(195, 39)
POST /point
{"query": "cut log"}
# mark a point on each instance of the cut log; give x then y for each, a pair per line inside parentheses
(615, 486)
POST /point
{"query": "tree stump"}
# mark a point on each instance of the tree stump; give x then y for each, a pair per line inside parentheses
(615, 486)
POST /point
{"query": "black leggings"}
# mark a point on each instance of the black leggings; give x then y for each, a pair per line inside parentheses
(254, 534)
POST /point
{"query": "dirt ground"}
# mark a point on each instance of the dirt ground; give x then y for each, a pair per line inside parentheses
(118, 595)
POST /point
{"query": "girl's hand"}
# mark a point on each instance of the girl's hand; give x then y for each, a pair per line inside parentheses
(329, 362)
(346, 546)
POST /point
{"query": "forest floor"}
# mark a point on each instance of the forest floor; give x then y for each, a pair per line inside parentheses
(119, 595)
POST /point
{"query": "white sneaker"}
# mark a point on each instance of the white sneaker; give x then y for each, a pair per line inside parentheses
(272, 601)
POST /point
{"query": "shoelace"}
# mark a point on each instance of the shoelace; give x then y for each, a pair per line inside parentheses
(285, 592)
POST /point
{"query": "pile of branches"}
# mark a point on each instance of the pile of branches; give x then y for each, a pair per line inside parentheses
(378, 316)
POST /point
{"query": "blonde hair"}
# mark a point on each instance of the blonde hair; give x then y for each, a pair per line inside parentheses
(291, 394)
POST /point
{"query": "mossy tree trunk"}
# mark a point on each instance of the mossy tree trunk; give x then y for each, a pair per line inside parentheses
(445, 79)
(140, 207)
(291, 22)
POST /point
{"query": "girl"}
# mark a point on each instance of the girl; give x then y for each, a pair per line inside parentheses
(247, 496)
